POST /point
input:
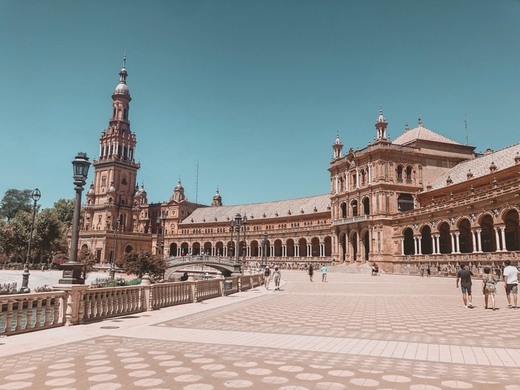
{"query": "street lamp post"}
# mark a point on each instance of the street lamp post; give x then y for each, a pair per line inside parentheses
(35, 195)
(236, 225)
(265, 241)
(161, 221)
(113, 265)
(72, 269)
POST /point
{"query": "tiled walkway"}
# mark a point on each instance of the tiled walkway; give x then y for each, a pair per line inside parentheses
(353, 332)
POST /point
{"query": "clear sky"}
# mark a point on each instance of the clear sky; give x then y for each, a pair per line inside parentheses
(252, 91)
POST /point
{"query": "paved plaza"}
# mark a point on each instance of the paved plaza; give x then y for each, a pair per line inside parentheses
(354, 331)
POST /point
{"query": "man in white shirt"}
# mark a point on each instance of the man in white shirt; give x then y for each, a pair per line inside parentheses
(510, 274)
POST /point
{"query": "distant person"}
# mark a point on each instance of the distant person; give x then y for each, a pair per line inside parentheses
(464, 277)
(184, 277)
(311, 272)
(277, 276)
(323, 273)
(428, 270)
(375, 269)
(267, 277)
(489, 288)
(510, 275)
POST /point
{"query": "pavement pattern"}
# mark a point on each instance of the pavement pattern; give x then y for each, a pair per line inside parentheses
(352, 332)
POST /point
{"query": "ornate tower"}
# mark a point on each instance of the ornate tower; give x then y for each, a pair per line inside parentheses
(110, 199)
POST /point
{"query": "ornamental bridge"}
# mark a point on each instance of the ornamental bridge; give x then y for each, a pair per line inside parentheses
(226, 265)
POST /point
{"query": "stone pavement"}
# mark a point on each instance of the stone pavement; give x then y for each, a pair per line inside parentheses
(352, 332)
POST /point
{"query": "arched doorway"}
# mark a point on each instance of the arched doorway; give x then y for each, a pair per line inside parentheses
(465, 237)
(444, 238)
(173, 250)
(512, 231)
(408, 244)
(366, 245)
(426, 240)
(487, 234)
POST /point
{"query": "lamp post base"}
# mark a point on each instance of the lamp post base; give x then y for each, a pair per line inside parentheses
(237, 268)
(25, 281)
(72, 274)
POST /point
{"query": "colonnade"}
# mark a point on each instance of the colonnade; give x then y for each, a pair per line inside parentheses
(476, 242)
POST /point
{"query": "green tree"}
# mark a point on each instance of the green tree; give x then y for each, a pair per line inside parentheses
(14, 202)
(140, 263)
(48, 234)
(64, 209)
(88, 259)
(15, 236)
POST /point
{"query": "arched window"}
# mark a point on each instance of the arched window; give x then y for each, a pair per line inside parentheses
(405, 202)
(343, 207)
(400, 174)
(354, 206)
(409, 171)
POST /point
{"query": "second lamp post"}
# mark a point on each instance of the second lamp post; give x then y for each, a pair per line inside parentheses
(236, 224)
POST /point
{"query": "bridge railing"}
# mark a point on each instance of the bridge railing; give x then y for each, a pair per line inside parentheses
(79, 304)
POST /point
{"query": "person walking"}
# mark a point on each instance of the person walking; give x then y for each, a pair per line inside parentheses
(464, 277)
(277, 276)
(311, 272)
(323, 273)
(510, 275)
(267, 277)
(489, 288)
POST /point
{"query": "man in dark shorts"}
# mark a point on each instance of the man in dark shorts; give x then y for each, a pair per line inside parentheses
(510, 275)
(464, 276)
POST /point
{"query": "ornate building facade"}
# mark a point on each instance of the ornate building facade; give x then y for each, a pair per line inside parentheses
(422, 198)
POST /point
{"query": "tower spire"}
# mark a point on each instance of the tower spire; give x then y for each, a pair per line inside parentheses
(381, 125)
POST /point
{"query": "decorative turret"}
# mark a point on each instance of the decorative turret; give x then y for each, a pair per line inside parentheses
(178, 192)
(217, 200)
(381, 125)
(337, 147)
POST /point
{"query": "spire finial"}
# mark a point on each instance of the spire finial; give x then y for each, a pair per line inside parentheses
(124, 60)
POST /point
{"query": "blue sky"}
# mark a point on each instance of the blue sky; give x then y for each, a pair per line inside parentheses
(252, 91)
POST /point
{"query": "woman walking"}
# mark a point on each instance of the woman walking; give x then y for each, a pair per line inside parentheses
(311, 272)
(489, 288)
(267, 277)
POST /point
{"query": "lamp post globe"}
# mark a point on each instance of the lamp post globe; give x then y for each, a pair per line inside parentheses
(35, 196)
(72, 269)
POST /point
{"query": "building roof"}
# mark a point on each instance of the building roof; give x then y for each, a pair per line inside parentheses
(259, 211)
(480, 166)
(421, 133)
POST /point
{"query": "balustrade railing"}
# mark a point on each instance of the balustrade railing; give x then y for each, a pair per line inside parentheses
(111, 302)
(27, 312)
(207, 289)
(80, 304)
(170, 294)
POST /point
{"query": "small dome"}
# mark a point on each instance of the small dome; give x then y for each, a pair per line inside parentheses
(122, 88)
(91, 190)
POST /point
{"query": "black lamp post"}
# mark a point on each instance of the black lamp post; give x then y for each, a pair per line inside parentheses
(265, 242)
(112, 272)
(236, 225)
(35, 195)
(72, 269)
(161, 221)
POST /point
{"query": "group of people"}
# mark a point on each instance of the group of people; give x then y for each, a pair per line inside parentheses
(489, 286)
(275, 275)
(323, 271)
